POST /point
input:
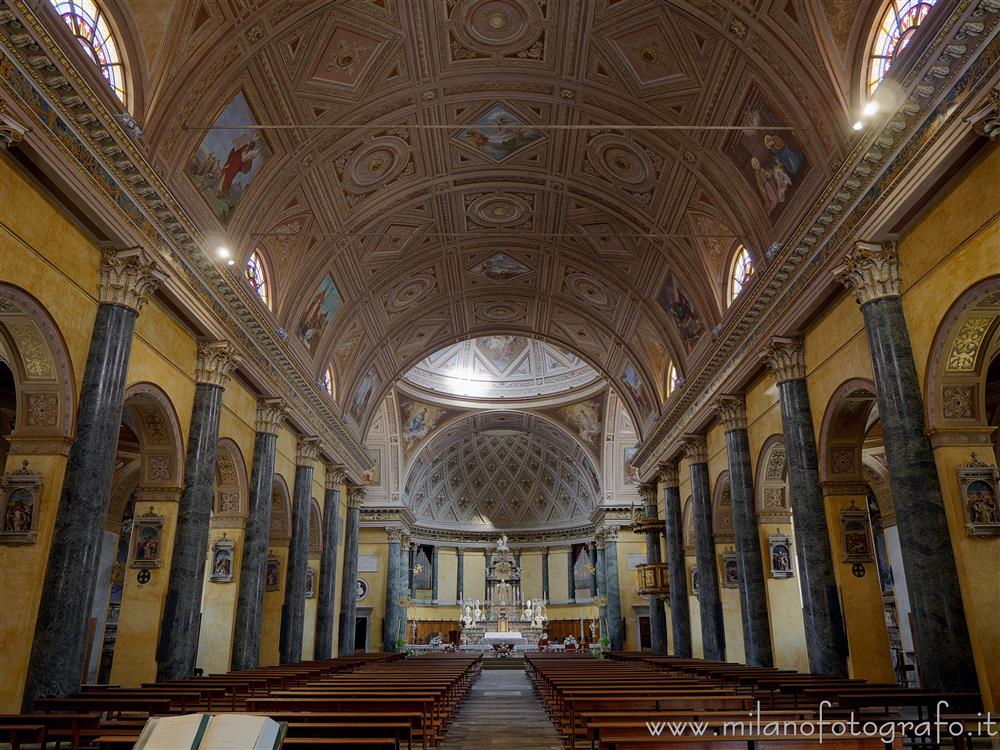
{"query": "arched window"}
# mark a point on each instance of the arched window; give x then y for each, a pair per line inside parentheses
(895, 29)
(256, 273)
(328, 382)
(673, 378)
(739, 273)
(89, 25)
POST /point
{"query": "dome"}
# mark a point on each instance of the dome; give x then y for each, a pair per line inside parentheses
(502, 367)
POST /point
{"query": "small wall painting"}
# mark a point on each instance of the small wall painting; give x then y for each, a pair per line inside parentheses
(500, 268)
(20, 496)
(228, 160)
(771, 160)
(780, 553)
(373, 475)
(631, 472)
(418, 420)
(325, 303)
(694, 580)
(585, 419)
(633, 382)
(223, 550)
(363, 394)
(146, 540)
(856, 535)
(979, 497)
(498, 134)
(362, 588)
(676, 304)
(272, 573)
(730, 571)
(310, 583)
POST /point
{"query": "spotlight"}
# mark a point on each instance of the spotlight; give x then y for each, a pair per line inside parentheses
(222, 252)
(858, 125)
(230, 262)
(870, 108)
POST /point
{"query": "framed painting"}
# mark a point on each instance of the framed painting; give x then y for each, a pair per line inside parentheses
(147, 530)
(694, 580)
(730, 571)
(310, 583)
(272, 573)
(856, 536)
(780, 555)
(223, 552)
(20, 497)
(978, 481)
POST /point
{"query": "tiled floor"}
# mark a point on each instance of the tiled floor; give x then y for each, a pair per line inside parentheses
(502, 713)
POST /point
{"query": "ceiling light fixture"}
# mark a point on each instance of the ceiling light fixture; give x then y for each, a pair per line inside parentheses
(222, 252)
(858, 125)
(870, 108)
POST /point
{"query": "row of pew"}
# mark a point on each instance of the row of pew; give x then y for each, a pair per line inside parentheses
(634, 700)
(376, 700)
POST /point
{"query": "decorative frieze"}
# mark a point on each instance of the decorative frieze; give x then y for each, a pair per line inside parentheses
(306, 451)
(215, 360)
(271, 413)
(732, 412)
(695, 449)
(871, 270)
(128, 277)
(786, 358)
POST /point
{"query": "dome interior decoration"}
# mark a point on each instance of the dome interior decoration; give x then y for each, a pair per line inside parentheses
(502, 367)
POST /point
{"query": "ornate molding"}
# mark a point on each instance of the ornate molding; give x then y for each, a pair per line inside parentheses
(989, 124)
(732, 411)
(961, 436)
(871, 270)
(271, 413)
(128, 277)
(786, 358)
(695, 449)
(833, 487)
(306, 451)
(215, 360)
(668, 474)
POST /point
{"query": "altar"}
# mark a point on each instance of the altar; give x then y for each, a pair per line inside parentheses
(496, 638)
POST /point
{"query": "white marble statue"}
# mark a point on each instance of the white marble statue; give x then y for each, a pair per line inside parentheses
(467, 618)
(529, 612)
(502, 544)
(477, 614)
(540, 617)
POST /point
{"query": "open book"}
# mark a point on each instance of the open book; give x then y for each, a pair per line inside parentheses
(207, 732)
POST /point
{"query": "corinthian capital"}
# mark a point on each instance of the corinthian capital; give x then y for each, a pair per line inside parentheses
(270, 415)
(306, 451)
(787, 358)
(355, 496)
(668, 474)
(647, 491)
(871, 270)
(394, 535)
(128, 277)
(215, 360)
(694, 448)
(335, 476)
(11, 130)
(732, 411)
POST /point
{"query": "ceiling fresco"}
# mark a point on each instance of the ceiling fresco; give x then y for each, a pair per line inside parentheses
(419, 173)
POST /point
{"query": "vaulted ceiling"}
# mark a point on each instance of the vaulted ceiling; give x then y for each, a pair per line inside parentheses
(433, 170)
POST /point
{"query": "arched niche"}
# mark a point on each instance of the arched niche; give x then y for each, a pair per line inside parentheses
(315, 529)
(966, 343)
(846, 422)
(32, 346)
(231, 492)
(771, 489)
(281, 512)
(722, 510)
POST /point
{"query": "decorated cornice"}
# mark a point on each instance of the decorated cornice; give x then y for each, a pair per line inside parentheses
(935, 95)
(473, 541)
(270, 415)
(128, 277)
(871, 270)
(215, 361)
(732, 411)
(62, 110)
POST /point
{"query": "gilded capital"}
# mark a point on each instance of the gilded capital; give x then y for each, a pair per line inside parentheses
(355, 496)
(128, 277)
(871, 270)
(335, 476)
(270, 415)
(306, 451)
(11, 130)
(668, 474)
(215, 360)
(394, 534)
(786, 357)
(695, 448)
(732, 411)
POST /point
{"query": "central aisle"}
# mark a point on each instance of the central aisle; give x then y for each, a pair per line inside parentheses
(502, 713)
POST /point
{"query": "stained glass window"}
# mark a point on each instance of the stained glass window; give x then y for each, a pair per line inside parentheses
(256, 274)
(328, 381)
(898, 24)
(90, 26)
(673, 378)
(741, 273)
